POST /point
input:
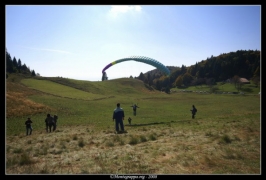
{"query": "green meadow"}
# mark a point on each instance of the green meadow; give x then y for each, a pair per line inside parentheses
(224, 137)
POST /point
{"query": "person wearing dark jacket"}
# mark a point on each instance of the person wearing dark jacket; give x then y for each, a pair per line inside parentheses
(49, 122)
(193, 111)
(118, 116)
(28, 126)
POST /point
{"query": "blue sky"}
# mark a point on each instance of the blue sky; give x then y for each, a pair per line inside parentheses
(78, 41)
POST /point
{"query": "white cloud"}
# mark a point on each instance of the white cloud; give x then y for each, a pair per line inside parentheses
(118, 9)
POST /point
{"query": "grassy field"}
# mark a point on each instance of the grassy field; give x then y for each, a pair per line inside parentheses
(224, 138)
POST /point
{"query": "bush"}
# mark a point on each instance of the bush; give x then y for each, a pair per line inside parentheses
(25, 159)
(133, 140)
(81, 143)
(143, 138)
(152, 137)
(226, 139)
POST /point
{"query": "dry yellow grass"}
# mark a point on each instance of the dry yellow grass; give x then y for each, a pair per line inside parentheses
(81, 150)
(17, 102)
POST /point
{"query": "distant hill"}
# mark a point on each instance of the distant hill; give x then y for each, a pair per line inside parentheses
(242, 63)
(19, 87)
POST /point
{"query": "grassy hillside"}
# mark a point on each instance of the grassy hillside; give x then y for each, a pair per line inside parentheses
(223, 88)
(163, 139)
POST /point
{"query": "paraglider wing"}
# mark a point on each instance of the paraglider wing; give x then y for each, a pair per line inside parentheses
(106, 67)
(142, 59)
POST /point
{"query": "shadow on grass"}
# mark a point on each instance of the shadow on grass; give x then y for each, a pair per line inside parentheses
(155, 123)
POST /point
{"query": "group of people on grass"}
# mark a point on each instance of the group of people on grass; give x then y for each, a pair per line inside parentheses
(50, 123)
(118, 117)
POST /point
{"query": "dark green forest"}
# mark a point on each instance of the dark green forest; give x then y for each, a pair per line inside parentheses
(15, 66)
(227, 66)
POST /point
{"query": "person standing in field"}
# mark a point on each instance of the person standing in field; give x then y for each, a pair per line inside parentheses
(28, 127)
(118, 116)
(55, 122)
(134, 109)
(49, 121)
(193, 111)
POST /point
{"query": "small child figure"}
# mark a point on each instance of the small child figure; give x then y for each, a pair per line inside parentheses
(129, 120)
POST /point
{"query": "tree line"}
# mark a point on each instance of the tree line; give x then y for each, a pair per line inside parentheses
(226, 66)
(15, 66)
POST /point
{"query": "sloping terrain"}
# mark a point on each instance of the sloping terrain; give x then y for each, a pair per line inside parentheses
(17, 103)
(129, 85)
(163, 139)
(18, 88)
